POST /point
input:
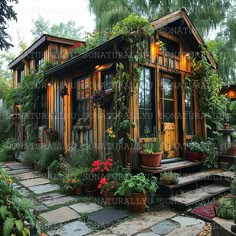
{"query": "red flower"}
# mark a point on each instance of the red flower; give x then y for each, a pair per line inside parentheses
(112, 186)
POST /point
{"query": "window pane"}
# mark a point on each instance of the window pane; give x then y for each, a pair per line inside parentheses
(169, 111)
(168, 88)
(146, 103)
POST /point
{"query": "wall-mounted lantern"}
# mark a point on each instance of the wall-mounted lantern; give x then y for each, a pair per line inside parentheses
(229, 91)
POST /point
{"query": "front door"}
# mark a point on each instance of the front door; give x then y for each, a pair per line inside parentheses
(169, 115)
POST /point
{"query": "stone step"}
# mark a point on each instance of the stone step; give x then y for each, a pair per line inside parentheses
(190, 198)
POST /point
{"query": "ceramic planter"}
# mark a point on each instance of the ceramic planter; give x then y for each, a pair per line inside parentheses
(151, 160)
(110, 198)
(137, 202)
(226, 126)
(91, 192)
(233, 228)
(195, 156)
(166, 181)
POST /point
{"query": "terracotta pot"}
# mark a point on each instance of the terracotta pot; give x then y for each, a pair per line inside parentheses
(78, 191)
(232, 150)
(137, 202)
(71, 191)
(195, 156)
(151, 160)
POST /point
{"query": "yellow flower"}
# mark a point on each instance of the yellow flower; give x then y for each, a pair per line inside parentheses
(10, 181)
(113, 136)
(0, 176)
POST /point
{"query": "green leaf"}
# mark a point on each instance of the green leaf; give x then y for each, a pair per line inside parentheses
(19, 225)
(8, 226)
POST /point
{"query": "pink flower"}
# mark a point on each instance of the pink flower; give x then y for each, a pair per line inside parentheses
(112, 187)
(109, 159)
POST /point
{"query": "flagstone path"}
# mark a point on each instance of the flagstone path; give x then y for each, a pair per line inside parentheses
(65, 215)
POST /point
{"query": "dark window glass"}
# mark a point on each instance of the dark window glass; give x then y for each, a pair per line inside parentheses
(20, 75)
(170, 46)
(39, 60)
(146, 103)
(83, 101)
(189, 108)
(107, 80)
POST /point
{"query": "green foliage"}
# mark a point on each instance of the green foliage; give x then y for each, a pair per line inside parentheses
(65, 30)
(208, 85)
(48, 154)
(195, 147)
(5, 123)
(150, 148)
(226, 208)
(14, 210)
(82, 157)
(173, 178)
(6, 14)
(137, 184)
(233, 186)
(132, 23)
(55, 166)
(7, 148)
(27, 95)
(30, 157)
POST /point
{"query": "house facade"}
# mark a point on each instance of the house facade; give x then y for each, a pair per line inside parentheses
(164, 100)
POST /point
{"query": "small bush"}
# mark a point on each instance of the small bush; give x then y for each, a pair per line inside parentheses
(48, 154)
(8, 148)
(83, 157)
(226, 208)
(5, 124)
(30, 157)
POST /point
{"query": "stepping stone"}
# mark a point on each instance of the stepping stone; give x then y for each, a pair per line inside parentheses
(58, 201)
(17, 166)
(185, 231)
(25, 176)
(164, 227)
(24, 192)
(77, 228)
(141, 222)
(85, 207)
(107, 216)
(40, 208)
(147, 234)
(44, 188)
(6, 168)
(188, 221)
(59, 216)
(15, 172)
(34, 182)
(49, 196)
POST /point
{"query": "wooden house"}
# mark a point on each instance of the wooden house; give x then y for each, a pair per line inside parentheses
(164, 97)
(46, 48)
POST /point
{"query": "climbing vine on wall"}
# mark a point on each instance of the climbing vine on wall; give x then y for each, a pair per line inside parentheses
(208, 84)
(137, 31)
(27, 95)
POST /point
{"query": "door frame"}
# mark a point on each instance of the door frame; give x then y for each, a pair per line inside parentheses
(174, 78)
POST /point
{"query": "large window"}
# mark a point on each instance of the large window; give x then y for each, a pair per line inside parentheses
(171, 47)
(147, 119)
(189, 108)
(20, 75)
(83, 101)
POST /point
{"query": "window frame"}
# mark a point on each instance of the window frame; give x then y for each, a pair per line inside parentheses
(152, 110)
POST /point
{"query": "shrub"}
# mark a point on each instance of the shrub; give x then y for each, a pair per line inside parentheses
(5, 124)
(233, 186)
(8, 148)
(14, 210)
(48, 154)
(82, 157)
(30, 157)
(226, 208)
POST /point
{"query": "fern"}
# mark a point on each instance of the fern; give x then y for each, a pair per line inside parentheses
(3, 212)
(8, 226)
(19, 225)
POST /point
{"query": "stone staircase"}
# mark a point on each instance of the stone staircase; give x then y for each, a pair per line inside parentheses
(197, 187)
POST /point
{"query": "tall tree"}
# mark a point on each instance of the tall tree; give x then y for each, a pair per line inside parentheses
(6, 13)
(204, 14)
(65, 30)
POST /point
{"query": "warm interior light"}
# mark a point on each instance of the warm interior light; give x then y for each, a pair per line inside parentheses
(97, 66)
(187, 54)
(157, 42)
(49, 83)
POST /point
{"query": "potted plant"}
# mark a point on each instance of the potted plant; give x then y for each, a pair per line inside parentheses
(169, 178)
(108, 189)
(151, 154)
(73, 186)
(195, 151)
(135, 189)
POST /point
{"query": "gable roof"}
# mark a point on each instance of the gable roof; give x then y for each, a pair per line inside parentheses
(182, 14)
(39, 42)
